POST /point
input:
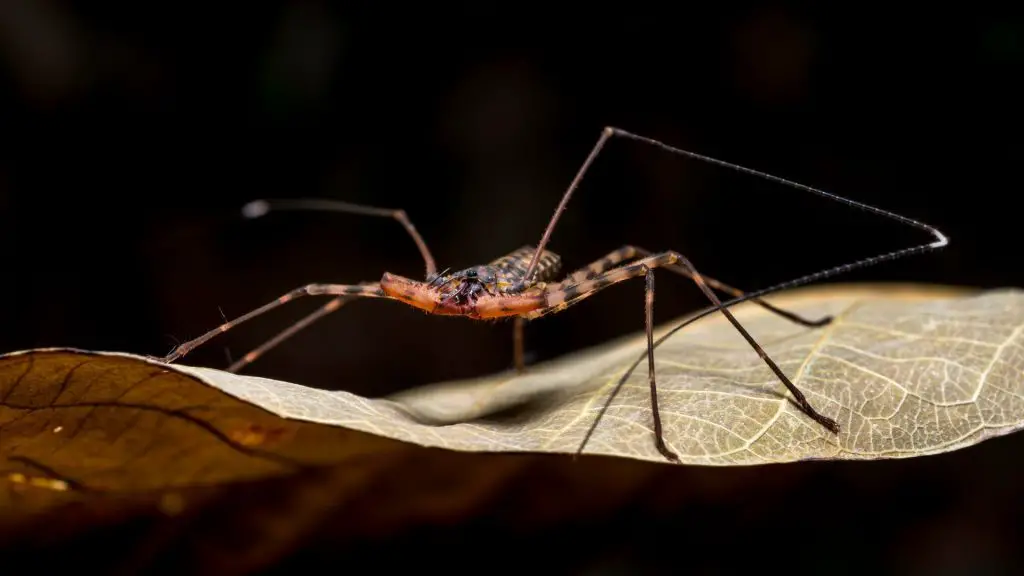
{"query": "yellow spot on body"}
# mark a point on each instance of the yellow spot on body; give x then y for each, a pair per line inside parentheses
(16, 477)
(333, 305)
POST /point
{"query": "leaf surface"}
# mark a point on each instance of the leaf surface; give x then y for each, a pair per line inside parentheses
(906, 371)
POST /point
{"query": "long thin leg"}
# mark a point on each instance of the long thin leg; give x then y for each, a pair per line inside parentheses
(659, 438)
(940, 239)
(559, 300)
(350, 291)
(258, 208)
(750, 296)
(287, 333)
(630, 252)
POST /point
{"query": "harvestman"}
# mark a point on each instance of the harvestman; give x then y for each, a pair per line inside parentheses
(522, 285)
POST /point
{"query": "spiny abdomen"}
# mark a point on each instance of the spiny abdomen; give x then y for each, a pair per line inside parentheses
(515, 263)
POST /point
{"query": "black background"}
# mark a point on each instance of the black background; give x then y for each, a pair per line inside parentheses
(133, 135)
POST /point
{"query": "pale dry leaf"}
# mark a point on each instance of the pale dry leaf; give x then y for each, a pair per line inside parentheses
(906, 372)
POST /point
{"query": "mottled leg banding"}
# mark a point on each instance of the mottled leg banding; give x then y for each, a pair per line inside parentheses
(559, 300)
(343, 290)
(630, 252)
(285, 334)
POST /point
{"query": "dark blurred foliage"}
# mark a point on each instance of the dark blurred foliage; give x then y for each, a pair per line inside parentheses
(135, 133)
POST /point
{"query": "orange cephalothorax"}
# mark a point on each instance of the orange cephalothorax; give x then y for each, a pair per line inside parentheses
(479, 292)
(474, 293)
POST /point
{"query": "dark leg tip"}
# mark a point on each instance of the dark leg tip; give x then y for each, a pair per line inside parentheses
(824, 320)
(825, 421)
(829, 423)
(668, 454)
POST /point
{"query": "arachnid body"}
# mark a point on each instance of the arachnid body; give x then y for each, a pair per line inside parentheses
(524, 284)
